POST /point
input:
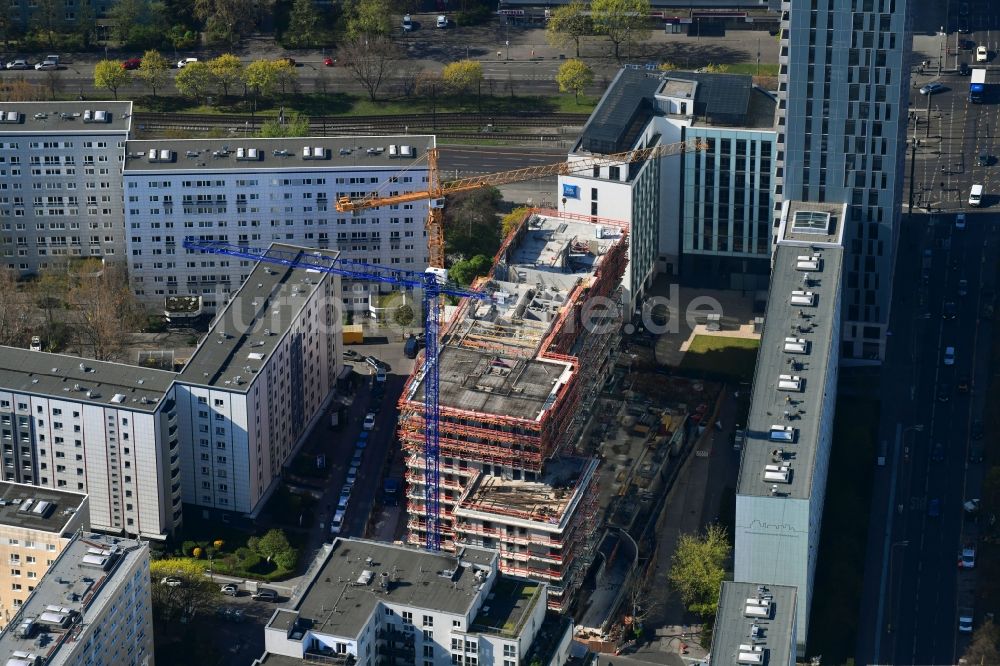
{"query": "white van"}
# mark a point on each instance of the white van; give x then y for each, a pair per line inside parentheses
(337, 523)
(976, 195)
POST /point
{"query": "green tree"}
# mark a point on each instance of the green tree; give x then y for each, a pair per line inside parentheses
(195, 80)
(271, 545)
(403, 315)
(303, 23)
(46, 19)
(623, 22)
(698, 569)
(295, 125)
(512, 220)
(285, 75)
(574, 76)
(369, 18)
(471, 225)
(181, 38)
(466, 270)
(124, 14)
(226, 21)
(227, 70)
(188, 593)
(463, 75)
(984, 648)
(568, 25)
(110, 74)
(154, 70)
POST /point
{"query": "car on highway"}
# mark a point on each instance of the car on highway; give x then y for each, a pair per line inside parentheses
(230, 590)
(963, 384)
(184, 62)
(937, 452)
(944, 392)
(964, 69)
(965, 616)
(380, 376)
(963, 9)
(963, 287)
(984, 159)
(975, 452)
(982, 53)
(131, 63)
(329, 62)
(960, 221)
(976, 429)
(20, 63)
(934, 507)
(407, 23)
(264, 594)
(949, 356)
(47, 65)
(932, 88)
(369, 423)
(442, 21)
(949, 311)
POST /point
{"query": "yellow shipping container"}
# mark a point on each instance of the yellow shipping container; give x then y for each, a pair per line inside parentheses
(354, 334)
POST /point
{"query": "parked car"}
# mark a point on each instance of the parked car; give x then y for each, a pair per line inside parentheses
(230, 590)
(442, 21)
(329, 62)
(949, 356)
(983, 159)
(407, 23)
(380, 376)
(960, 221)
(352, 355)
(965, 616)
(184, 62)
(976, 452)
(352, 476)
(36, 343)
(46, 65)
(170, 581)
(932, 88)
(20, 63)
(356, 458)
(963, 287)
(337, 523)
(369, 423)
(131, 63)
(982, 54)
(964, 69)
(264, 594)
(949, 311)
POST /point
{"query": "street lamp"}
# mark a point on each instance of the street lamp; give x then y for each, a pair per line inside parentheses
(941, 56)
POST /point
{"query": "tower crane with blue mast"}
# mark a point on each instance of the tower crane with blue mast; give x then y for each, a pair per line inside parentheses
(433, 284)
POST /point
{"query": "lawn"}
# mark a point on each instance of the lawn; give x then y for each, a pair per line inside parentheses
(752, 68)
(844, 538)
(721, 357)
(347, 104)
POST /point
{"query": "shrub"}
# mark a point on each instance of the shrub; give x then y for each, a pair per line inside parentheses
(218, 543)
(287, 559)
(243, 552)
(196, 553)
(188, 546)
(473, 16)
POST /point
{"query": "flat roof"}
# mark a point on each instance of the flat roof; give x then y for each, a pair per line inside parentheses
(245, 334)
(336, 603)
(37, 508)
(511, 603)
(811, 222)
(64, 377)
(548, 500)
(752, 619)
(791, 373)
(489, 360)
(64, 597)
(234, 153)
(72, 117)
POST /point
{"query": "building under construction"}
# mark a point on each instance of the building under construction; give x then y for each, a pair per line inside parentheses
(518, 375)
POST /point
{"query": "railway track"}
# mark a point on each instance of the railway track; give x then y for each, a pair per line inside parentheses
(442, 123)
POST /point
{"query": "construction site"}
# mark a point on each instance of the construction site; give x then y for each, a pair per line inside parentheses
(519, 375)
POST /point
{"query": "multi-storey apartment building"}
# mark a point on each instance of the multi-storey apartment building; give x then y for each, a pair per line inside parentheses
(260, 377)
(140, 441)
(106, 429)
(261, 191)
(92, 607)
(755, 624)
(35, 525)
(782, 481)
(704, 214)
(844, 86)
(517, 377)
(375, 603)
(61, 182)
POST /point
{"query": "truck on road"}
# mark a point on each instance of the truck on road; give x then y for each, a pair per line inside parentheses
(977, 86)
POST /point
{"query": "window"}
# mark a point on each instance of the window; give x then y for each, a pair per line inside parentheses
(429, 651)
(509, 650)
(428, 620)
(407, 617)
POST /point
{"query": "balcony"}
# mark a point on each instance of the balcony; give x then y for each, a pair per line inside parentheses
(312, 656)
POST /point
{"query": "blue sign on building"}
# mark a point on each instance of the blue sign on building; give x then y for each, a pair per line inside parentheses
(571, 191)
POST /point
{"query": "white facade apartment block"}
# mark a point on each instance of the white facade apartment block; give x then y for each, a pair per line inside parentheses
(61, 182)
(261, 375)
(263, 191)
(105, 429)
(93, 607)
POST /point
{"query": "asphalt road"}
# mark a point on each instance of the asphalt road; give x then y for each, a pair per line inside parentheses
(912, 584)
(458, 161)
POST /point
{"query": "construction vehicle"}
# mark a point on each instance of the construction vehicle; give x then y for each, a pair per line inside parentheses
(433, 282)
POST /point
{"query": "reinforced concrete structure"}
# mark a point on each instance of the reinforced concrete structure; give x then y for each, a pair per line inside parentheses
(92, 607)
(61, 181)
(755, 624)
(517, 378)
(35, 525)
(376, 603)
(782, 481)
(259, 191)
(844, 90)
